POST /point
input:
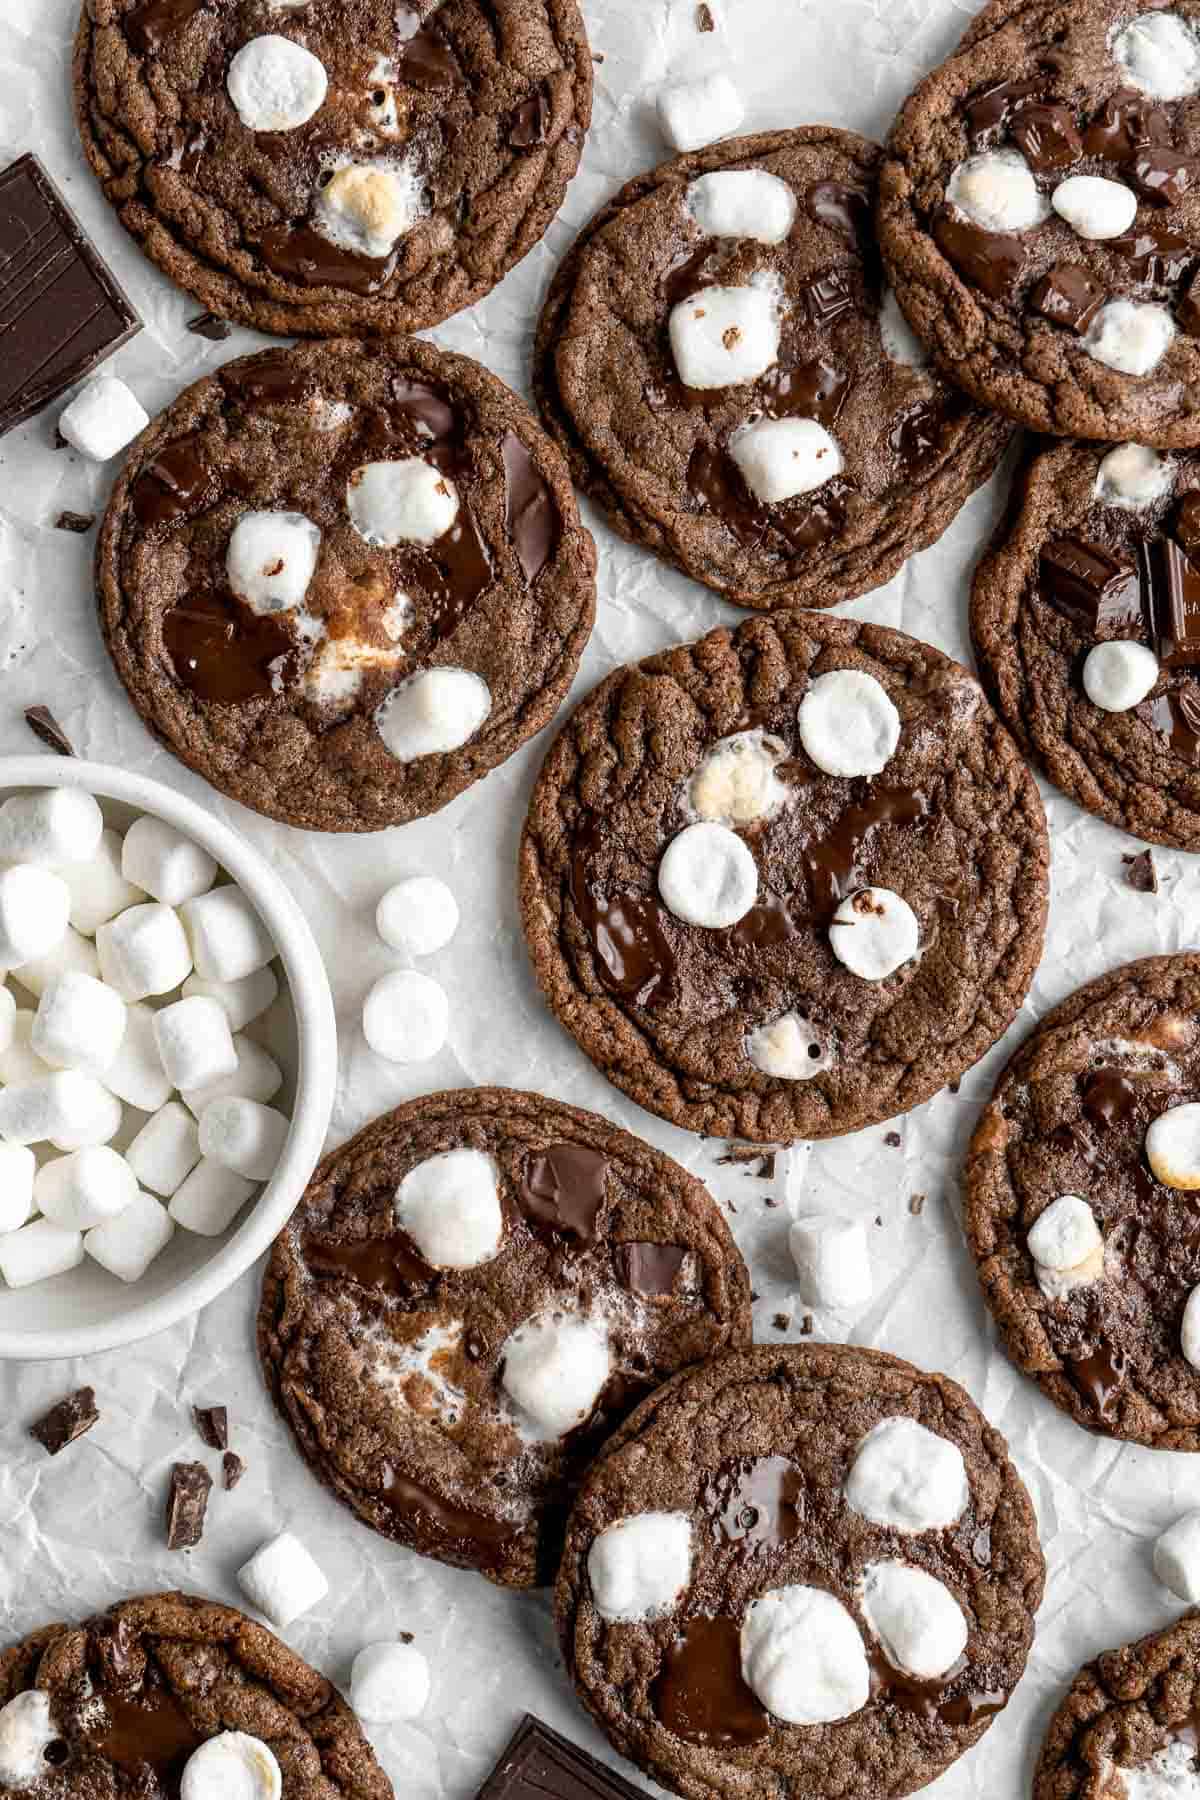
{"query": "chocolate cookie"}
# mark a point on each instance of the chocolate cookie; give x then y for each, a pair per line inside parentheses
(344, 581)
(820, 451)
(1078, 1205)
(787, 881)
(845, 1586)
(334, 166)
(117, 1706)
(470, 1296)
(1130, 1724)
(1085, 618)
(1040, 217)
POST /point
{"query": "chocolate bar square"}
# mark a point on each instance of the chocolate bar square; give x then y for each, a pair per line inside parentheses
(539, 1764)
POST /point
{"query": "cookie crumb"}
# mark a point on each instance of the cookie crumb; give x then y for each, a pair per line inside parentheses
(781, 1321)
(916, 1204)
(212, 1424)
(76, 522)
(893, 1140)
(807, 1324)
(207, 325)
(44, 725)
(187, 1505)
(1140, 873)
(952, 1087)
(66, 1421)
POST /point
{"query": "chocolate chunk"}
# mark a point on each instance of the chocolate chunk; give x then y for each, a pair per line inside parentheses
(207, 325)
(562, 1190)
(301, 254)
(1140, 873)
(1091, 588)
(221, 650)
(233, 1468)
(816, 389)
(1188, 311)
(1069, 296)
(1160, 256)
(740, 1153)
(758, 1502)
(212, 1423)
(1124, 124)
(61, 311)
(842, 208)
(704, 19)
(151, 24)
(1048, 136)
(988, 112)
(538, 1764)
(701, 1694)
(766, 1170)
(781, 1321)
(1175, 717)
(826, 297)
(531, 516)
(174, 485)
(989, 260)
(893, 1140)
(1175, 604)
(916, 1204)
(66, 1421)
(187, 1504)
(1163, 176)
(649, 1268)
(44, 725)
(1187, 521)
(807, 1325)
(76, 522)
(529, 122)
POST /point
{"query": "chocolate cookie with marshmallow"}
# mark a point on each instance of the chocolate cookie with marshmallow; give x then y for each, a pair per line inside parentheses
(471, 1296)
(1085, 617)
(1080, 1204)
(787, 881)
(170, 1694)
(734, 384)
(806, 1569)
(346, 580)
(1039, 216)
(315, 168)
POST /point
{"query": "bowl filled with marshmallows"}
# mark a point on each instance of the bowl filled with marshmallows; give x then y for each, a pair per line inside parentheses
(168, 1057)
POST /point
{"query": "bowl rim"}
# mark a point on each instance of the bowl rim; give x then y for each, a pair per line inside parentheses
(316, 1034)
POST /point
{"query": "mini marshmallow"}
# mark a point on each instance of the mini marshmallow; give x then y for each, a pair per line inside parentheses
(243, 1000)
(1095, 207)
(432, 712)
(450, 1207)
(52, 827)
(1132, 477)
(803, 1656)
(406, 1017)
(780, 458)
(1173, 1147)
(34, 906)
(210, 1199)
(640, 1566)
(72, 953)
(997, 192)
(790, 1048)
(257, 1077)
(848, 725)
(20, 1062)
(908, 1478)
(228, 939)
(1189, 1330)
(275, 84)
(389, 1682)
(692, 114)
(243, 1136)
(708, 876)
(918, 1622)
(38, 1252)
(195, 1042)
(724, 336)
(128, 1244)
(366, 207)
(1130, 336)
(136, 1075)
(900, 342)
(281, 1580)
(271, 560)
(62, 1107)
(165, 1150)
(165, 864)
(406, 502)
(1065, 1234)
(1159, 55)
(419, 915)
(1177, 1558)
(874, 932)
(832, 1261)
(85, 1188)
(18, 1167)
(736, 783)
(232, 1766)
(1119, 675)
(742, 203)
(8, 1018)
(99, 891)
(555, 1369)
(103, 418)
(144, 951)
(26, 1733)
(79, 1024)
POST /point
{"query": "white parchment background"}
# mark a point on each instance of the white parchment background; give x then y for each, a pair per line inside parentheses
(84, 1530)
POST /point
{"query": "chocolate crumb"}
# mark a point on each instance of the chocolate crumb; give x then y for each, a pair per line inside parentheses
(770, 1200)
(755, 1295)
(704, 19)
(766, 1169)
(212, 1423)
(893, 1140)
(44, 725)
(187, 1504)
(954, 1086)
(1140, 873)
(878, 1219)
(60, 442)
(406, 1637)
(916, 1204)
(233, 1469)
(806, 1325)
(66, 1421)
(739, 1153)
(781, 1321)
(207, 325)
(76, 522)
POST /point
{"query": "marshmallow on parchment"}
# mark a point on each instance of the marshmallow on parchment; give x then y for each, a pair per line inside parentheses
(780, 458)
(833, 1265)
(406, 1017)
(34, 907)
(918, 1622)
(1132, 477)
(405, 502)
(1159, 54)
(640, 1566)
(1094, 206)
(1118, 675)
(789, 1048)
(874, 932)
(997, 192)
(1130, 336)
(742, 203)
(52, 827)
(554, 1371)
(1177, 1558)
(736, 783)
(692, 114)
(450, 1207)
(271, 560)
(275, 84)
(724, 336)
(26, 1733)
(419, 915)
(281, 1580)
(1173, 1147)
(708, 876)
(366, 207)
(803, 1656)
(848, 724)
(389, 1682)
(103, 418)
(232, 1766)
(433, 712)
(1067, 1246)
(908, 1478)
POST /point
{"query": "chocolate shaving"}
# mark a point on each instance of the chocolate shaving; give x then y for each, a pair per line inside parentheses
(207, 325)
(704, 19)
(66, 1421)
(44, 725)
(73, 521)
(233, 1468)
(187, 1504)
(916, 1205)
(1140, 873)
(212, 1423)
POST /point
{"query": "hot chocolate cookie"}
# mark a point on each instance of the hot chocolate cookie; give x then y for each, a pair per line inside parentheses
(469, 1298)
(1080, 1206)
(322, 167)
(787, 881)
(344, 581)
(731, 381)
(1040, 217)
(800, 1570)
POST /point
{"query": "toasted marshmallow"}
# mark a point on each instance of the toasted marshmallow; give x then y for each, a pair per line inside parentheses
(874, 932)
(997, 192)
(803, 1656)
(1159, 54)
(232, 1766)
(640, 1566)
(271, 559)
(368, 207)
(1133, 477)
(1173, 1147)
(736, 783)
(1095, 207)
(908, 1478)
(1130, 336)
(848, 724)
(790, 1048)
(405, 502)
(918, 1622)
(722, 337)
(708, 877)
(1117, 676)
(742, 203)
(275, 84)
(450, 1207)
(433, 712)
(780, 458)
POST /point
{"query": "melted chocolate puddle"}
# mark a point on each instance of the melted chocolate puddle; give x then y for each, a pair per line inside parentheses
(458, 1529)
(221, 650)
(149, 1731)
(389, 1265)
(700, 1693)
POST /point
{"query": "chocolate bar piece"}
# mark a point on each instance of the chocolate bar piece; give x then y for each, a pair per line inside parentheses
(187, 1504)
(212, 1422)
(43, 724)
(66, 1421)
(539, 1764)
(232, 1468)
(207, 325)
(61, 310)
(1091, 588)
(1175, 603)
(1187, 522)
(1069, 296)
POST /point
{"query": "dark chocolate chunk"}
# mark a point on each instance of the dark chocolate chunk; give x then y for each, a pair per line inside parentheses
(916, 1204)
(212, 1423)
(540, 1765)
(893, 1140)
(766, 1170)
(1069, 296)
(1175, 603)
(531, 516)
(649, 1268)
(701, 1694)
(207, 325)
(740, 1153)
(781, 1321)
(989, 112)
(1187, 521)
(1160, 256)
(807, 1325)
(704, 19)
(755, 1501)
(1163, 176)
(44, 725)
(1091, 588)
(233, 1468)
(61, 310)
(562, 1190)
(1124, 124)
(76, 522)
(989, 260)
(187, 1504)
(826, 297)
(1140, 873)
(66, 1421)
(530, 120)
(1175, 717)
(842, 208)
(1048, 136)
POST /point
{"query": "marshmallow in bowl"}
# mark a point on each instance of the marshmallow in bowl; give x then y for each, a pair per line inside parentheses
(908, 1478)
(232, 1766)
(742, 203)
(144, 951)
(450, 1207)
(210, 1199)
(275, 84)
(833, 1265)
(1117, 676)
(389, 1682)
(39, 1252)
(85, 1188)
(996, 191)
(917, 1620)
(127, 1245)
(724, 336)
(103, 418)
(257, 1077)
(79, 1024)
(71, 952)
(780, 458)
(366, 207)
(243, 1135)
(99, 890)
(281, 1580)
(165, 1150)
(419, 915)
(555, 1368)
(34, 907)
(244, 1000)
(195, 1042)
(61, 1107)
(433, 712)
(26, 1733)
(18, 1169)
(1095, 207)
(1173, 1147)
(1159, 54)
(1130, 336)
(848, 723)
(165, 864)
(736, 783)
(404, 502)
(1177, 1558)
(136, 1074)
(803, 1656)
(874, 932)
(789, 1048)
(53, 827)
(639, 1567)
(692, 114)
(707, 876)
(270, 561)
(227, 939)
(1132, 477)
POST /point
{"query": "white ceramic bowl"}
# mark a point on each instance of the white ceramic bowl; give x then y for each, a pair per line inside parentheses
(88, 1310)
